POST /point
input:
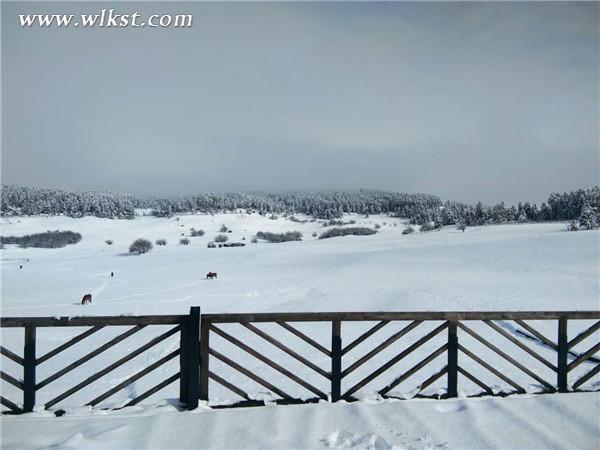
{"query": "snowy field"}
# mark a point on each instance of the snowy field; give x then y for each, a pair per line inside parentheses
(558, 421)
(505, 267)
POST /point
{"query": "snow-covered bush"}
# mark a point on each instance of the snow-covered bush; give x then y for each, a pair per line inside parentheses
(211, 244)
(572, 226)
(196, 233)
(461, 227)
(223, 229)
(140, 246)
(184, 241)
(408, 230)
(377, 226)
(279, 237)
(314, 234)
(160, 213)
(109, 242)
(338, 223)
(221, 238)
(49, 239)
(427, 226)
(254, 240)
(294, 219)
(161, 242)
(354, 231)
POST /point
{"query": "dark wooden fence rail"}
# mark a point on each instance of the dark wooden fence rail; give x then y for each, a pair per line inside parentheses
(195, 352)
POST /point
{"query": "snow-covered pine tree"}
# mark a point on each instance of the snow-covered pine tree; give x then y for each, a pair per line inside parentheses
(588, 219)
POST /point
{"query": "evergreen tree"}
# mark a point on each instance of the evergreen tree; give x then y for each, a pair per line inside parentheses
(588, 218)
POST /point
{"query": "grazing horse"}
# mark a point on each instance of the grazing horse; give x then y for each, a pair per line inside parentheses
(211, 275)
(87, 298)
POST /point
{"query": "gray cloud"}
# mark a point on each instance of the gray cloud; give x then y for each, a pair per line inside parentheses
(468, 101)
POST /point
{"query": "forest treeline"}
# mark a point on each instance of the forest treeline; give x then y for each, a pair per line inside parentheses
(419, 208)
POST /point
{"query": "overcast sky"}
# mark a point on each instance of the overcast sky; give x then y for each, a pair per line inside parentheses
(469, 101)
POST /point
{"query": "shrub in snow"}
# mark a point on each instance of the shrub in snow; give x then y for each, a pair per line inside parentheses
(294, 219)
(377, 226)
(184, 241)
(279, 237)
(211, 244)
(461, 227)
(221, 238)
(196, 233)
(109, 242)
(161, 242)
(427, 226)
(223, 229)
(273, 217)
(408, 230)
(354, 231)
(140, 246)
(314, 234)
(254, 240)
(160, 213)
(49, 239)
(338, 223)
(572, 226)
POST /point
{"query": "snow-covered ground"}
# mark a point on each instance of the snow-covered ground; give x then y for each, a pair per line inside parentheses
(507, 267)
(558, 421)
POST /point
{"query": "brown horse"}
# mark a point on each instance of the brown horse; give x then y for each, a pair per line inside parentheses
(87, 298)
(211, 275)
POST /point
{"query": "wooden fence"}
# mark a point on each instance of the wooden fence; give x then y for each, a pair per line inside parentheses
(455, 333)
(187, 326)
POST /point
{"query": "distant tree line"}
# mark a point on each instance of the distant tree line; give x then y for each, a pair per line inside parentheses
(418, 208)
(29, 201)
(565, 206)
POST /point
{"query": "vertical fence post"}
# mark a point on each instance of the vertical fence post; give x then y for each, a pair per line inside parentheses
(29, 369)
(563, 350)
(204, 357)
(452, 390)
(184, 359)
(193, 351)
(336, 360)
